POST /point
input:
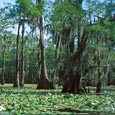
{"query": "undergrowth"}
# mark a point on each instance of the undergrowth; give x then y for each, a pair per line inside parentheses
(30, 101)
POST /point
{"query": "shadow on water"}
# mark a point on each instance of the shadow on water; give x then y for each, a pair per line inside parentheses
(84, 112)
(66, 111)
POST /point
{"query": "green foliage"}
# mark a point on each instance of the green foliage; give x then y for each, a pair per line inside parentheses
(26, 8)
(31, 101)
(64, 14)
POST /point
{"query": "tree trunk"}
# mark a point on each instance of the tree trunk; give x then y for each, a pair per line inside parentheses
(43, 82)
(100, 71)
(72, 82)
(16, 82)
(100, 64)
(108, 79)
(22, 60)
(3, 66)
(98, 87)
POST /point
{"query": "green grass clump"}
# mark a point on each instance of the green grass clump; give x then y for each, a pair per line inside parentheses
(30, 101)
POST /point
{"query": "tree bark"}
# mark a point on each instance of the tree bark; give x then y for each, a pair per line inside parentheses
(72, 82)
(44, 82)
(98, 87)
(3, 66)
(22, 60)
(108, 79)
(17, 82)
(100, 66)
